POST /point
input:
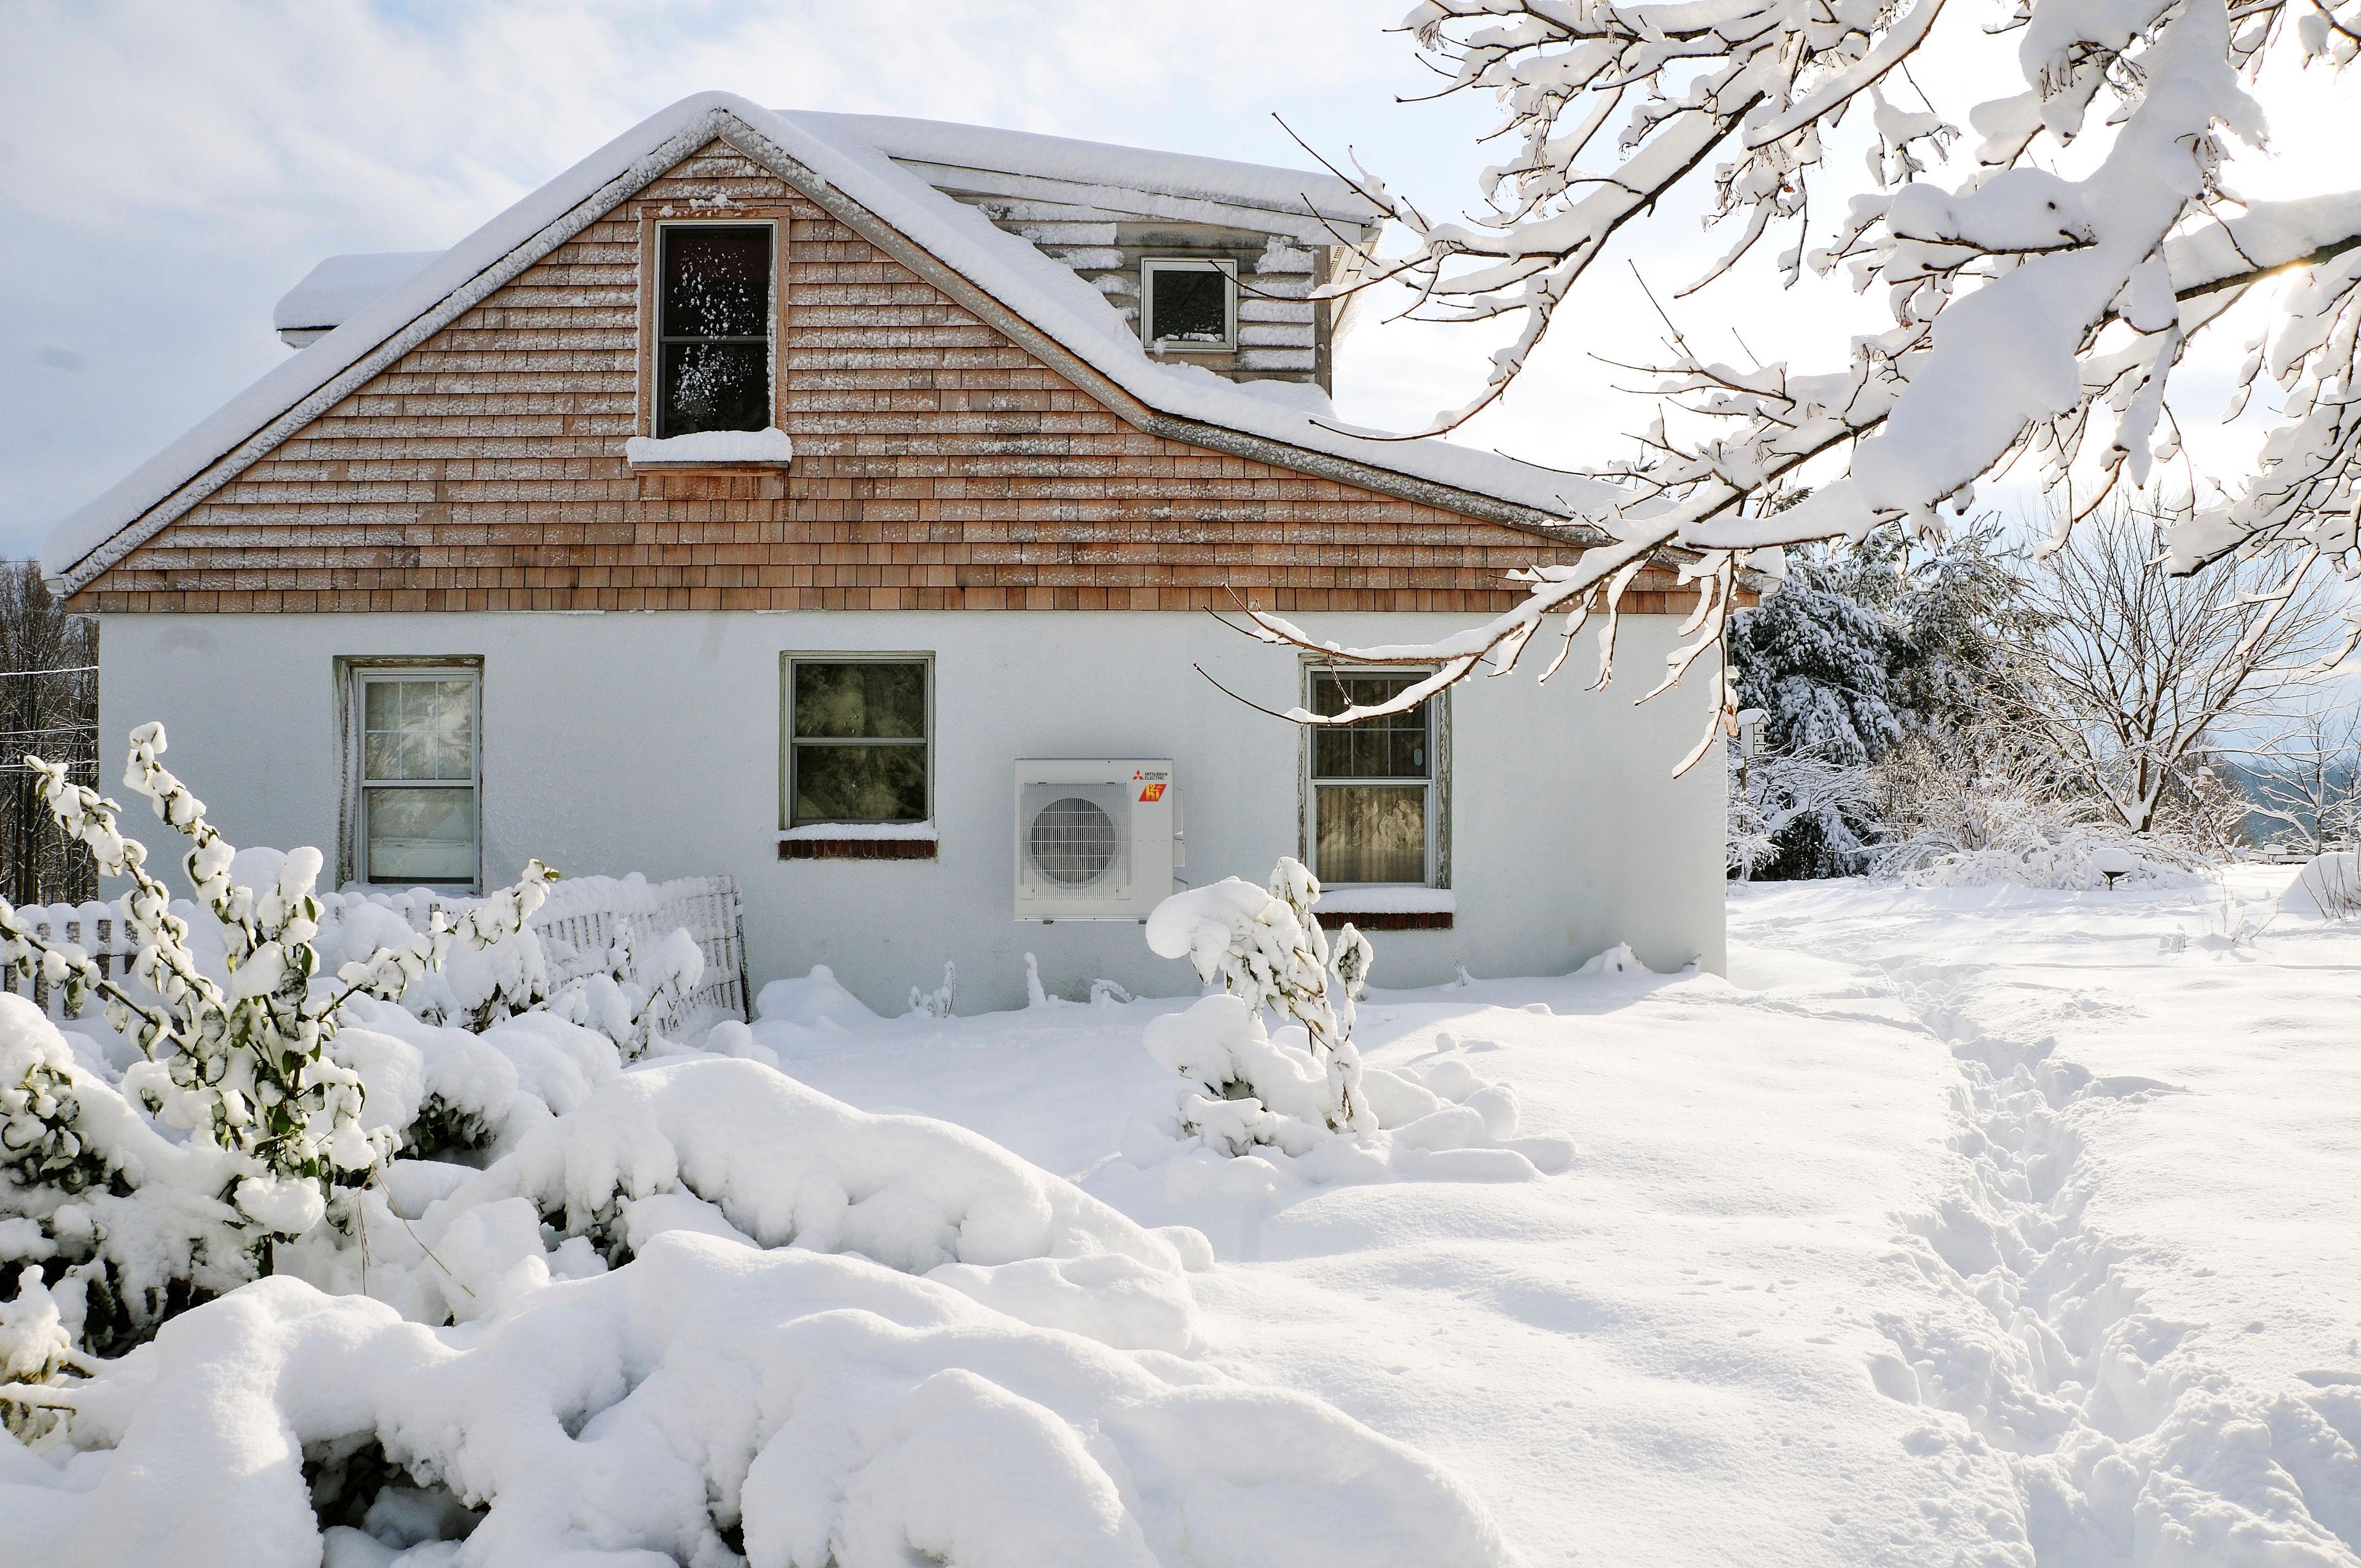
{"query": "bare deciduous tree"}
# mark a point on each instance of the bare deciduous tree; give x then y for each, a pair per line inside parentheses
(2308, 779)
(2140, 677)
(49, 706)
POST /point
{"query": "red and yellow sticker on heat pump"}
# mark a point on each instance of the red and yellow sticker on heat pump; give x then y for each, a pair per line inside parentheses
(1151, 791)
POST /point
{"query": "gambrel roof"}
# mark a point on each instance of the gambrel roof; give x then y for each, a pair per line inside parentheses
(847, 164)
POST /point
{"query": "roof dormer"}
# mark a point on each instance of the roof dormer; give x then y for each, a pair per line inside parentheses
(1173, 242)
(1245, 242)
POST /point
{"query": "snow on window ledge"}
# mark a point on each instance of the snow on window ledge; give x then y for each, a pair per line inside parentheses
(712, 449)
(858, 831)
(1386, 898)
(1389, 906)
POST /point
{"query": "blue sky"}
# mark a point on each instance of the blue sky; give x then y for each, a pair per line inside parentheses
(167, 170)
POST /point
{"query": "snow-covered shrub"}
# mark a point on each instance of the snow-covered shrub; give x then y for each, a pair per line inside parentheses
(714, 1404)
(265, 1120)
(452, 1093)
(738, 1149)
(936, 1003)
(502, 981)
(2328, 888)
(636, 984)
(472, 988)
(1977, 810)
(1239, 1086)
(34, 1348)
(1301, 1089)
(1772, 792)
(1242, 1085)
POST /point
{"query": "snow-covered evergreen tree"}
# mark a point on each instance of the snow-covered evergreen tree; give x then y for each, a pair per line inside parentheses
(1862, 648)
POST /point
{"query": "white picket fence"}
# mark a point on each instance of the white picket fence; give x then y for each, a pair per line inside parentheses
(578, 925)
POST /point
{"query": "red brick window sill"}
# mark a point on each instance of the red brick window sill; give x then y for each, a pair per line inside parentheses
(856, 848)
(1390, 919)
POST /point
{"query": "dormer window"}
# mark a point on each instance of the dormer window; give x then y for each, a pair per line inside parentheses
(713, 327)
(1188, 306)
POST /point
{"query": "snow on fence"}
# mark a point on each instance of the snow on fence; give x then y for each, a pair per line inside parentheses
(580, 926)
(95, 927)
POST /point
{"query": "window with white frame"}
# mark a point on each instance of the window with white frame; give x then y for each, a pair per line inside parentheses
(417, 776)
(1189, 305)
(713, 327)
(857, 729)
(1375, 815)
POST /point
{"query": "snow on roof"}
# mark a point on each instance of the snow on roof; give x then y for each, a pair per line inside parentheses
(952, 145)
(341, 285)
(1028, 283)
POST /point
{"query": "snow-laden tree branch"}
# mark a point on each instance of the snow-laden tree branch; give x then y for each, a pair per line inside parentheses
(2036, 314)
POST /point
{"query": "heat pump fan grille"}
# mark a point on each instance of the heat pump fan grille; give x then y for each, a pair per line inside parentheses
(1072, 841)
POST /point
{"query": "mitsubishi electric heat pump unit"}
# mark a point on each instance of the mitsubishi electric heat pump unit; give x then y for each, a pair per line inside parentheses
(1097, 838)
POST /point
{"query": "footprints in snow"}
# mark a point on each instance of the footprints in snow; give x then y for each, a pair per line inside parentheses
(2121, 1446)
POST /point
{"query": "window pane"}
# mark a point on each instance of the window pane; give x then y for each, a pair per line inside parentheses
(421, 835)
(870, 699)
(1370, 833)
(1409, 756)
(714, 386)
(1334, 691)
(1189, 305)
(860, 783)
(1394, 747)
(717, 282)
(381, 705)
(451, 740)
(418, 729)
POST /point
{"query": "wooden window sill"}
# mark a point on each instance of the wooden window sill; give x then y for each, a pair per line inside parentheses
(704, 466)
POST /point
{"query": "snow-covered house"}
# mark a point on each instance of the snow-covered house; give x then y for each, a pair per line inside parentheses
(772, 493)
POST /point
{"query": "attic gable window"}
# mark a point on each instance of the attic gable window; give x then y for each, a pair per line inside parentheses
(713, 331)
(1189, 306)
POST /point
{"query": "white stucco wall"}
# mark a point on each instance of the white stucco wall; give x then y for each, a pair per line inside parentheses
(650, 742)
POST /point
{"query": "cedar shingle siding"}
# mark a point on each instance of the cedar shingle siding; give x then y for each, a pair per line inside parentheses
(938, 465)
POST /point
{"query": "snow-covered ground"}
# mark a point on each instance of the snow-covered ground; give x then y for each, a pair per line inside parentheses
(1969, 1225)
(1650, 1357)
(1957, 1226)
